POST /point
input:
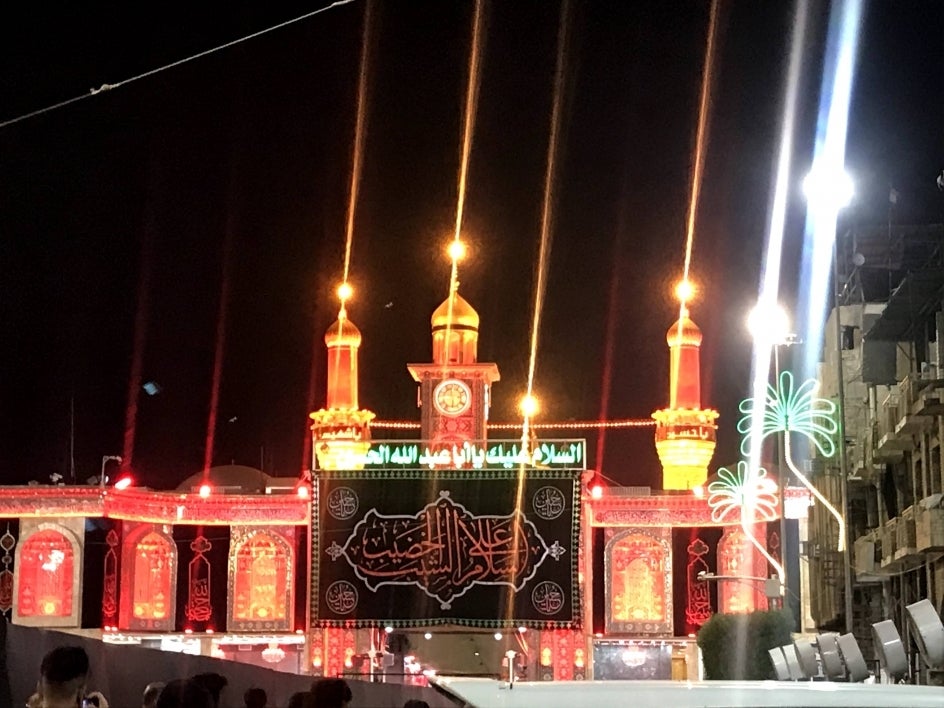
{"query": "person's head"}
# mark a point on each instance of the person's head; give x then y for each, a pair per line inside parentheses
(62, 676)
(184, 693)
(415, 703)
(151, 693)
(331, 693)
(255, 698)
(302, 699)
(213, 683)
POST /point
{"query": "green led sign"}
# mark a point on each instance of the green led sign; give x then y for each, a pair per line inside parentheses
(498, 454)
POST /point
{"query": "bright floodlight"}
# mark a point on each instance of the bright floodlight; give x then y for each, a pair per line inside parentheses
(684, 290)
(345, 291)
(831, 190)
(768, 323)
(205, 490)
(456, 250)
(529, 405)
(124, 482)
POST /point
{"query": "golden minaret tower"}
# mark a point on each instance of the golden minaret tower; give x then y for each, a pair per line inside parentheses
(341, 431)
(685, 432)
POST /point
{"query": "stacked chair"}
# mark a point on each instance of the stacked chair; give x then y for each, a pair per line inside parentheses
(837, 657)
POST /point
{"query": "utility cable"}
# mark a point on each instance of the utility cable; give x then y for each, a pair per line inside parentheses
(110, 87)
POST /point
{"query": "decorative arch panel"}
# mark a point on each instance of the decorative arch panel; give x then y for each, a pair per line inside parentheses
(261, 592)
(744, 569)
(638, 570)
(148, 579)
(47, 588)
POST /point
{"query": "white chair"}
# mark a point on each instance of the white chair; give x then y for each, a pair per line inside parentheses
(889, 650)
(829, 651)
(806, 655)
(779, 662)
(793, 664)
(928, 632)
(856, 667)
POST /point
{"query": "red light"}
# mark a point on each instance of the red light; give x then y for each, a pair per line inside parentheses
(596, 491)
(205, 490)
(302, 491)
(125, 482)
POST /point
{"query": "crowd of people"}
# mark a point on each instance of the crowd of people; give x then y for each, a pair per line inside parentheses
(64, 677)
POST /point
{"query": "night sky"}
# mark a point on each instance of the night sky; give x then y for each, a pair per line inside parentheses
(131, 210)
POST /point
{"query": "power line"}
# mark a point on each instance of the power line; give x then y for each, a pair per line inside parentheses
(109, 87)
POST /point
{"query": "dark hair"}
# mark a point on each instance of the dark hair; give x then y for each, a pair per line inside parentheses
(255, 698)
(415, 703)
(213, 683)
(151, 693)
(184, 693)
(330, 692)
(302, 699)
(64, 664)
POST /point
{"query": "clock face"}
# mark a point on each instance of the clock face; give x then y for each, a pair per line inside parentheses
(452, 397)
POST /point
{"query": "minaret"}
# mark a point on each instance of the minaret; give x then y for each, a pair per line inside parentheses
(341, 430)
(685, 432)
(455, 388)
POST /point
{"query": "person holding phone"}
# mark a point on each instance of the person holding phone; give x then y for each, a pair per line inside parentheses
(63, 675)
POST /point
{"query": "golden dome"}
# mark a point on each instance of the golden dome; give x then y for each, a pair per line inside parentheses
(463, 316)
(683, 332)
(343, 333)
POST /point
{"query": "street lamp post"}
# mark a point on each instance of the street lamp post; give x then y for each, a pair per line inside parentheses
(105, 460)
(770, 327)
(843, 466)
(829, 190)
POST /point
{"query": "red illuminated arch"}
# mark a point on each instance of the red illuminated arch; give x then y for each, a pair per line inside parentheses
(638, 582)
(261, 567)
(149, 574)
(46, 578)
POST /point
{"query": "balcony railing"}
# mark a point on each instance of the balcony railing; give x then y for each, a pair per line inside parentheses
(929, 529)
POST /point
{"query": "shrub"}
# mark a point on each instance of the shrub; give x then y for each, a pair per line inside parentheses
(735, 647)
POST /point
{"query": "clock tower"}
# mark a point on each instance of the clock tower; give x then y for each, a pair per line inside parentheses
(454, 390)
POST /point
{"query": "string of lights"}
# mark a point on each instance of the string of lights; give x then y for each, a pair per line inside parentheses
(570, 425)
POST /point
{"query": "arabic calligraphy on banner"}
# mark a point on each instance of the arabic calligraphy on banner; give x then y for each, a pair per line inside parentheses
(507, 454)
(439, 547)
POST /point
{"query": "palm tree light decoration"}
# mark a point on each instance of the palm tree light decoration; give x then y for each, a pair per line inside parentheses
(752, 496)
(788, 410)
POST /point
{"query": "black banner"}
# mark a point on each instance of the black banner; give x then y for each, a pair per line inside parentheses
(484, 548)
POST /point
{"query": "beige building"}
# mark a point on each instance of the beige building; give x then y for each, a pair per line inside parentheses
(891, 342)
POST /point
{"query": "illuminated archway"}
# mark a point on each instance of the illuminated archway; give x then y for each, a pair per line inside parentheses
(638, 582)
(741, 564)
(261, 568)
(149, 573)
(46, 580)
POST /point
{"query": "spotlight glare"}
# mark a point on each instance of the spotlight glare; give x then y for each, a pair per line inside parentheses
(456, 250)
(345, 291)
(529, 405)
(827, 189)
(769, 322)
(684, 290)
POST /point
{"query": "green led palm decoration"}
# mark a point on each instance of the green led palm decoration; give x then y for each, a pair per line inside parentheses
(794, 410)
(752, 496)
(736, 492)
